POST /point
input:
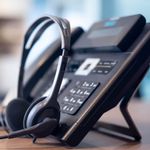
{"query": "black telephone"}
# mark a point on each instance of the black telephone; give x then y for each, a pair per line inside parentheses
(104, 64)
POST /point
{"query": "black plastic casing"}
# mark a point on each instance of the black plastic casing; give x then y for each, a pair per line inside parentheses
(113, 86)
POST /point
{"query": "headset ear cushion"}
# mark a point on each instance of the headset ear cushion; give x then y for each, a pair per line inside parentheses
(15, 111)
(29, 109)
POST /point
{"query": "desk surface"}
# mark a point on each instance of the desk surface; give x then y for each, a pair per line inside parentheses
(140, 112)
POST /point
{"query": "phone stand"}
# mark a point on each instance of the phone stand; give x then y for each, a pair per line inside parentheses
(120, 131)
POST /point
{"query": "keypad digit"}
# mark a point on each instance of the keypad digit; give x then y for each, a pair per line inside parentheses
(77, 95)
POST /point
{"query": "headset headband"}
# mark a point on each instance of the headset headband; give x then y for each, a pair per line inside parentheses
(64, 28)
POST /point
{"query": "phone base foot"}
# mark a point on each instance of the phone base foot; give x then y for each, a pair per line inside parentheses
(131, 132)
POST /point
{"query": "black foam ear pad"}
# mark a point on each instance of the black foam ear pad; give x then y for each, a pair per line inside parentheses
(35, 115)
(15, 113)
(29, 109)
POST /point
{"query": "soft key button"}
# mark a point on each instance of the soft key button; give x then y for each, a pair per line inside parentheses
(104, 67)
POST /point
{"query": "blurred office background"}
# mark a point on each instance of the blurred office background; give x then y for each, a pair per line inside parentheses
(17, 15)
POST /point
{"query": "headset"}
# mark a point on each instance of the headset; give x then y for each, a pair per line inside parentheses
(40, 118)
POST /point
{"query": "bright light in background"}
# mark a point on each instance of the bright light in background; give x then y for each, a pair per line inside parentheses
(13, 8)
(112, 8)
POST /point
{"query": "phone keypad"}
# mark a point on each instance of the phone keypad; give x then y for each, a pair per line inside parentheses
(77, 95)
(104, 67)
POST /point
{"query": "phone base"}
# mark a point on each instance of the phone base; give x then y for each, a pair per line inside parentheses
(131, 132)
